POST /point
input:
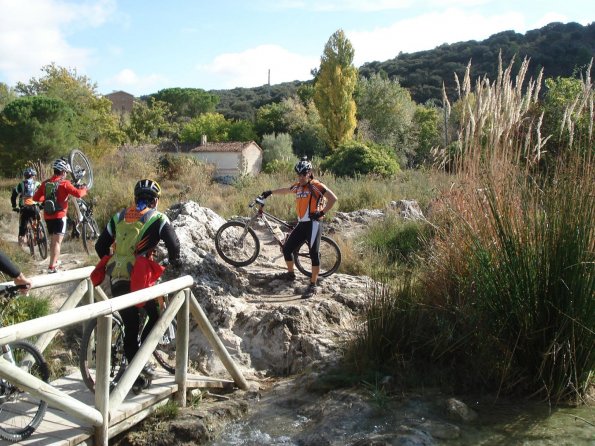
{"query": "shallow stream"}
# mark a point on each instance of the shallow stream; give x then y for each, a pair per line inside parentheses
(288, 417)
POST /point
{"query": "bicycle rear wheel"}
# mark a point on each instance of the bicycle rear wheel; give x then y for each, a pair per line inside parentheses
(88, 356)
(81, 167)
(90, 232)
(330, 258)
(20, 412)
(42, 240)
(30, 239)
(237, 244)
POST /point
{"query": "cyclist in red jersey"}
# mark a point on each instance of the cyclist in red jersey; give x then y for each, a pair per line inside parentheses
(313, 200)
(54, 194)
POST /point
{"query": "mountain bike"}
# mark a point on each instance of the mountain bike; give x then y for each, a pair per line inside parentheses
(237, 243)
(85, 227)
(82, 173)
(164, 354)
(37, 235)
(20, 412)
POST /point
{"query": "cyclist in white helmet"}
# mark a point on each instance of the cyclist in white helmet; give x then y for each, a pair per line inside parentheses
(313, 200)
(54, 194)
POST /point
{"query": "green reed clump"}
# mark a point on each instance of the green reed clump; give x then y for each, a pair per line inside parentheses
(534, 282)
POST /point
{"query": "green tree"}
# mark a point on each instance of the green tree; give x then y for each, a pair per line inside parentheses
(147, 122)
(425, 134)
(561, 94)
(334, 88)
(94, 122)
(7, 95)
(388, 110)
(35, 127)
(305, 128)
(213, 125)
(355, 158)
(277, 150)
(188, 102)
(241, 131)
(270, 118)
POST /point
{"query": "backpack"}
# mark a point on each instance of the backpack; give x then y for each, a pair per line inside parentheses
(50, 205)
(128, 235)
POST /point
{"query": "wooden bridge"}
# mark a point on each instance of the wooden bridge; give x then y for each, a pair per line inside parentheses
(77, 416)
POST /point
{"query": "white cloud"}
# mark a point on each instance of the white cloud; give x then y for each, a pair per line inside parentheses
(33, 33)
(428, 31)
(128, 80)
(367, 5)
(250, 67)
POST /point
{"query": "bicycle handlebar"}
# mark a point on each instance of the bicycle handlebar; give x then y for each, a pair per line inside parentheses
(11, 290)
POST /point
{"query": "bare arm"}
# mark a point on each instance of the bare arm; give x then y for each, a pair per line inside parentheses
(281, 191)
(331, 199)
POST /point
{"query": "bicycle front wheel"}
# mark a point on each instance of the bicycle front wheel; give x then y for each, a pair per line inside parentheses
(20, 412)
(42, 240)
(237, 243)
(165, 352)
(330, 257)
(88, 356)
(81, 167)
(89, 233)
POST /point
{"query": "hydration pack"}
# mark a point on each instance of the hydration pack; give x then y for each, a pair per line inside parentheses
(50, 205)
(128, 235)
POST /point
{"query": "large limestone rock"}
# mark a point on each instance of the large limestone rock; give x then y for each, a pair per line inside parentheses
(263, 323)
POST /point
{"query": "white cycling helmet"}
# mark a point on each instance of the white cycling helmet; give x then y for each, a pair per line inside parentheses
(303, 166)
(61, 165)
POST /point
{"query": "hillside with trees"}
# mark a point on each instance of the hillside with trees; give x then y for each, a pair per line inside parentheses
(562, 49)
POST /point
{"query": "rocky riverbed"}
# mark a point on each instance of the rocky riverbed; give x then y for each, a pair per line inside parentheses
(284, 345)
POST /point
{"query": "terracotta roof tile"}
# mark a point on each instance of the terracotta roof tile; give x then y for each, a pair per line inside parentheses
(234, 146)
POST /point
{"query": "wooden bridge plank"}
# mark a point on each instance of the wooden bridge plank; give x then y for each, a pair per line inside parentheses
(61, 429)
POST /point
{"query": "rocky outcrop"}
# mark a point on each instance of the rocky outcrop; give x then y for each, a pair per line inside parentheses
(264, 323)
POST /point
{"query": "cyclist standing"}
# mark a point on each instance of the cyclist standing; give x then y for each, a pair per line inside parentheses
(54, 194)
(27, 207)
(7, 267)
(132, 234)
(313, 200)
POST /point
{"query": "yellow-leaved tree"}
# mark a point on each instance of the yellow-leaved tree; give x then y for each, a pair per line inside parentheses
(334, 88)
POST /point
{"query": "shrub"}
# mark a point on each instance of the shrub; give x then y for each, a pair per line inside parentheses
(355, 158)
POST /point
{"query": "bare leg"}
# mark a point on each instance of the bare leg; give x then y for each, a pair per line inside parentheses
(55, 243)
(315, 271)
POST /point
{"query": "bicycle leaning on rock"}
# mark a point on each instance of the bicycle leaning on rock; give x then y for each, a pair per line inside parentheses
(237, 242)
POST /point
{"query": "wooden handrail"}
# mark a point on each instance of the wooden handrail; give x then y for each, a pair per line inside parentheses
(63, 319)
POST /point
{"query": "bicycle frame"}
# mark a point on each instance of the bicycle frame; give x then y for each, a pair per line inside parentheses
(266, 218)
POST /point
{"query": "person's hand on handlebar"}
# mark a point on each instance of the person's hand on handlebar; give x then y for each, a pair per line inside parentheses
(22, 280)
(266, 194)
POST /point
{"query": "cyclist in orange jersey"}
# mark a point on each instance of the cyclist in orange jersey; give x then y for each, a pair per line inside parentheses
(313, 200)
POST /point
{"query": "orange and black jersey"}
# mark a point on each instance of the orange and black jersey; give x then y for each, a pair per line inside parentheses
(160, 229)
(308, 198)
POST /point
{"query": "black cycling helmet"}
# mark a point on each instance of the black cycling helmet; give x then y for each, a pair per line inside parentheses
(303, 166)
(29, 172)
(147, 189)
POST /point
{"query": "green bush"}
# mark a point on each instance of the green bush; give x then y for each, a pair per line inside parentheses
(355, 158)
(398, 239)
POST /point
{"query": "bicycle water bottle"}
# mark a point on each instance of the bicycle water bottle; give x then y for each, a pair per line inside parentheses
(278, 234)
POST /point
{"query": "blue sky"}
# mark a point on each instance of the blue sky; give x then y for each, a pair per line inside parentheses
(142, 46)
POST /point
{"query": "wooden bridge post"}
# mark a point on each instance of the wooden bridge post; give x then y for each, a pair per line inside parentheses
(182, 339)
(102, 367)
(90, 292)
(205, 326)
(72, 301)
